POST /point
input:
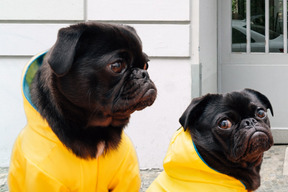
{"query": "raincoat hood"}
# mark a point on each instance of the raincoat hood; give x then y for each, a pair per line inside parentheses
(40, 162)
(185, 170)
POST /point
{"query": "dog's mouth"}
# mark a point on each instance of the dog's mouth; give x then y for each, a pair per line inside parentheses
(253, 148)
(137, 98)
(146, 100)
(258, 142)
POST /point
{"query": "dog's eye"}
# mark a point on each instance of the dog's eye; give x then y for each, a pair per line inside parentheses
(118, 66)
(261, 113)
(225, 124)
(145, 66)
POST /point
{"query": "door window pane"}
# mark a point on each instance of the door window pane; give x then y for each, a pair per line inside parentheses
(257, 20)
(257, 25)
(276, 26)
(239, 26)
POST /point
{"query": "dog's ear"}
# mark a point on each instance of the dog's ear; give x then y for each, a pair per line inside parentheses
(130, 28)
(195, 110)
(262, 98)
(61, 55)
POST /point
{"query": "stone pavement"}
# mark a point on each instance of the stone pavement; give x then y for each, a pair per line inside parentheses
(3, 179)
(274, 172)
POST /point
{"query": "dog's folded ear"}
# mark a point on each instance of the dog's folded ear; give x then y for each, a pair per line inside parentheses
(262, 98)
(194, 110)
(61, 55)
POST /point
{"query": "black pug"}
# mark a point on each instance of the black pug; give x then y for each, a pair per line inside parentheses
(221, 144)
(86, 88)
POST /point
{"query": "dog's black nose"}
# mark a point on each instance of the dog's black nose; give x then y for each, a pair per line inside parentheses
(145, 74)
(141, 74)
(249, 122)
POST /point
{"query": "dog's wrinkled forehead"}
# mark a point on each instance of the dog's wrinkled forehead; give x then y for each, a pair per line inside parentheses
(93, 40)
(247, 100)
(104, 38)
(241, 102)
(208, 106)
(234, 104)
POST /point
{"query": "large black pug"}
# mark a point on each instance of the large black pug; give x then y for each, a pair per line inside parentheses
(231, 132)
(78, 97)
(90, 82)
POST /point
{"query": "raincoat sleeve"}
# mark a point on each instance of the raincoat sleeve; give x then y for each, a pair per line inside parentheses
(24, 176)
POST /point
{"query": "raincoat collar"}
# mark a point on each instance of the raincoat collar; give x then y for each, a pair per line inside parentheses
(34, 119)
(184, 163)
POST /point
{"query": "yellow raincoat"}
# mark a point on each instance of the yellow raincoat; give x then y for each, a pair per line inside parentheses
(40, 162)
(186, 171)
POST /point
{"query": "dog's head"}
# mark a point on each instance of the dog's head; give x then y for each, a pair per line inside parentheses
(101, 70)
(234, 125)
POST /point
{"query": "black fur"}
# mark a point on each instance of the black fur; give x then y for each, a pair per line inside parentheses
(84, 101)
(237, 150)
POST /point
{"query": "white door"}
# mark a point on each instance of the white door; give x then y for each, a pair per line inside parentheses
(252, 40)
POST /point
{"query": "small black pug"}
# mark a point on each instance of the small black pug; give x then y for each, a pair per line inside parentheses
(90, 82)
(231, 132)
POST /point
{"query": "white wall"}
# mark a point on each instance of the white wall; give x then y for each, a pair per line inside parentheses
(208, 45)
(28, 27)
